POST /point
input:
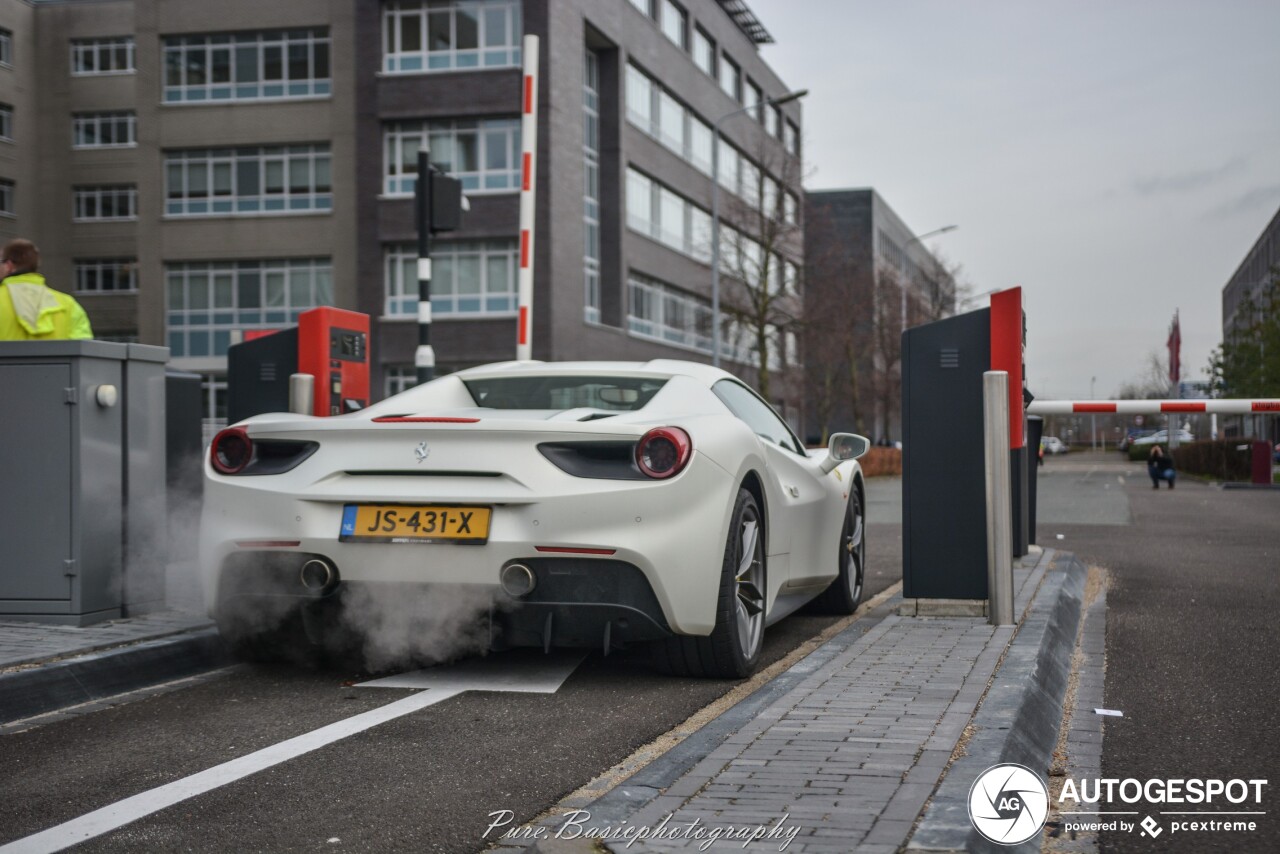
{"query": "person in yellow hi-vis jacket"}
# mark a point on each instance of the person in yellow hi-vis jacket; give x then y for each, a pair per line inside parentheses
(30, 310)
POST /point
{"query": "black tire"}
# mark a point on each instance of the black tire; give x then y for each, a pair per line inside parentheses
(732, 650)
(845, 592)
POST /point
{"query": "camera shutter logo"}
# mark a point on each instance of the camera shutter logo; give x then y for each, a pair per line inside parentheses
(1008, 804)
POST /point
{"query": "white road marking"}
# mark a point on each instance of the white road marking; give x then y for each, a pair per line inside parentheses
(545, 677)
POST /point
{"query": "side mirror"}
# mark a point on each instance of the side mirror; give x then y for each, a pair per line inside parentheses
(842, 447)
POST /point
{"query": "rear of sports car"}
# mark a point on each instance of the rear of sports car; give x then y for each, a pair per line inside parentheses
(577, 528)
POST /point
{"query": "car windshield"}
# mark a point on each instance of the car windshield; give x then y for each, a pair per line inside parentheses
(618, 394)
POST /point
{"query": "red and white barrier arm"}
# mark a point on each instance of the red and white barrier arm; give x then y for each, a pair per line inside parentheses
(1152, 407)
(528, 187)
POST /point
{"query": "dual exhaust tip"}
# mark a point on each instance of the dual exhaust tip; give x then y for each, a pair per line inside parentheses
(318, 575)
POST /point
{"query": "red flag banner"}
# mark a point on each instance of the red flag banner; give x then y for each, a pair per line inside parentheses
(1175, 351)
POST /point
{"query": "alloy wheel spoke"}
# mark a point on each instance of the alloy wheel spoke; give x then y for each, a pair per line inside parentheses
(750, 533)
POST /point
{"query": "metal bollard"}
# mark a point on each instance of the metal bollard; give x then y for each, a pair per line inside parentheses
(995, 428)
(302, 393)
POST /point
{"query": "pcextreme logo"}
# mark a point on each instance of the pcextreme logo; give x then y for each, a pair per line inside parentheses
(1008, 804)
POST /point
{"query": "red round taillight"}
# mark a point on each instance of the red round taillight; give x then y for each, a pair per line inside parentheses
(231, 450)
(663, 452)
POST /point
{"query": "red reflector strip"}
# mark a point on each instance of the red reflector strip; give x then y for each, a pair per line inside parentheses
(524, 248)
(527, 169)
(268, 544)
(528, 93)
(1266, 406)
(422, 419)
(1176, 406)
(1093, 407)
(524, 326)
(571, 551)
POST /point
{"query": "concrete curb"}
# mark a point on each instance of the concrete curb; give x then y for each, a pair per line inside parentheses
(1021, 715)
(84, 678)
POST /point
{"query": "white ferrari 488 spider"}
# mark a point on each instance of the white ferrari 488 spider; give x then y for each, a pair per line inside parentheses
(596, 504)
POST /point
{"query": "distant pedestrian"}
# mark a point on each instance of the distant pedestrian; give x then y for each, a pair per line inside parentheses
(1160, 467)
(30, 310)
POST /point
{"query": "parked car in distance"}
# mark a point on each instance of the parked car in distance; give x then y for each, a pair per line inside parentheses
(1161, 437)
(1054, 445)
(1132, 436)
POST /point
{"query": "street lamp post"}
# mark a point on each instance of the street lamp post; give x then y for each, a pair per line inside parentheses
(715, 211)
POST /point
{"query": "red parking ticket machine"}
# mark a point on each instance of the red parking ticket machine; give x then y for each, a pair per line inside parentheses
(333, 346)
(330, 344)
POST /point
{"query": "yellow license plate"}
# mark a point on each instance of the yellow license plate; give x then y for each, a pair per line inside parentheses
(399, 523)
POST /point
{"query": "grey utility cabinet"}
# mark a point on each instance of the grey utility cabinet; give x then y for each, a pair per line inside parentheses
(82, 475)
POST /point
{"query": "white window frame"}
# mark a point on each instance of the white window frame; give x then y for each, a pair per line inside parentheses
(494, 299)
(591, 186)
(660, 312)
(675, 24)
(115, 49)
(90, 126)
(703, 51)
(494, 49)
(730, 77)
(91, 275)
(6, 48)
(213, 181)
(88, 203)
(401, 142)
(181, 52)
(212, 293)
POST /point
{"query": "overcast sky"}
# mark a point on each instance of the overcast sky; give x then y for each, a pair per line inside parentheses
(1115, 158)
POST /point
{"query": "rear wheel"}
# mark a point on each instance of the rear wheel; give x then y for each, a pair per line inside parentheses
(844, 594)
(732, 649)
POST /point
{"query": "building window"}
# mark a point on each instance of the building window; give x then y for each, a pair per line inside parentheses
(704, 52)
(106, 275)
(591, 186)
(398, 378)
(100, 204)
(730, 78)
(791, 138)
(102, 56)
(6, 47)
(675, 23)
(790, 209)
(644, 7)
(247, 66)
(6, 198)
(104, 130)
(656, 111)
(450, 35)
(484, 154)
(755, 100)
(6, 122)
(775, 122)
(207, 300)
(468, 277)
(662, 214)
(660, 312)
(248, 181)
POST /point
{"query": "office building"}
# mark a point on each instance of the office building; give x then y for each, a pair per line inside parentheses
(195, 170)
(868, 276)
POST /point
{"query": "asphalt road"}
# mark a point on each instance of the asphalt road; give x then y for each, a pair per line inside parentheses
(1193, 649)
(426, 781)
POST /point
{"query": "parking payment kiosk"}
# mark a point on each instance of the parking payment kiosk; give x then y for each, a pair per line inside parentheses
(330, 344)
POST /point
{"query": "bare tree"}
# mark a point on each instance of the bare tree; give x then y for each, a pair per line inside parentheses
(760, 300)
(1151, 384)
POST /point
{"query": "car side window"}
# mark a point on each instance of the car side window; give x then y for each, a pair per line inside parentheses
(758, 415)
